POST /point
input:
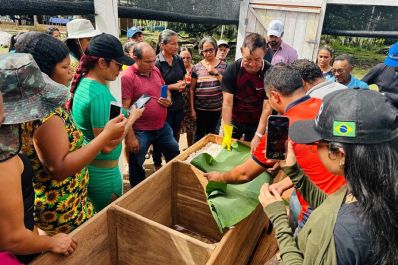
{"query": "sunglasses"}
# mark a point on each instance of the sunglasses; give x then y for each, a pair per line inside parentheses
(118, 64)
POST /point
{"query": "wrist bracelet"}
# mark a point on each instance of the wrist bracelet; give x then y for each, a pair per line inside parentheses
(259, 134)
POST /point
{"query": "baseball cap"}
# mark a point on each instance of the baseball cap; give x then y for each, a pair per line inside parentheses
(350, 116)
(28, 94)
(275, 28)
(109, 47)
(132, 31)
(222, 42)
(81, 28)
(392, 56)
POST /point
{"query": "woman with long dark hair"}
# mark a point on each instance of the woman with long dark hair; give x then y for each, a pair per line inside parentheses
(356, 134)
(90, 105)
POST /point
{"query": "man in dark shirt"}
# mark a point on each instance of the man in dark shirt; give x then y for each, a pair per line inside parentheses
(245, 106)
(385, 75)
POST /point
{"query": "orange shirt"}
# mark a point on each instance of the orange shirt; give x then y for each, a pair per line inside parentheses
(305, 108)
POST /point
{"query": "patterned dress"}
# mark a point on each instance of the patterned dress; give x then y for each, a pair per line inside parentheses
(60, 206)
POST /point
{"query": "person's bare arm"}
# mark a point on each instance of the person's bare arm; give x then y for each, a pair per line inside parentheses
(14, 237)
(227, 105)
(245, 172)
(192, 89)
(262, 124)
(52, 145)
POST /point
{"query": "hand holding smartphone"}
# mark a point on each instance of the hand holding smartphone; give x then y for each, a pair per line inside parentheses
(140, 103)
(277, 135)
(163, 91)
(115, 110)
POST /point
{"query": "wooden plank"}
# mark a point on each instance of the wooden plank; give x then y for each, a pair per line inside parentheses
(152, 197)
(251, 22)
(266, 248)
(299, 33)
(141, 241)
(288, 8)
(263, 27)
(319, 31)
(112, 232)
(192, 210)
(310, 35)
(290, 26)
(239, 242)
(93, 245)
(365, 2)
(304, 3)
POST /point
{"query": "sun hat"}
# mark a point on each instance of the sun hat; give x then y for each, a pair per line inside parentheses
(109, 47)
(392, 56)
(28, 94)
(275, 28)
(132, 31)
(350, 116)
(81, 28)
(222, 42)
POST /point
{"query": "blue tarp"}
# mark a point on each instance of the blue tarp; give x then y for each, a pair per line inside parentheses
(57, 20)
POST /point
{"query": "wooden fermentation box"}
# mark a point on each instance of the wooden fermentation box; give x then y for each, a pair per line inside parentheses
(139, 227)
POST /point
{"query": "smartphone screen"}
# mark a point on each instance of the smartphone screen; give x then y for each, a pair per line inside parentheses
(142, 101)
(115, 110)
(278, 133)
(163, 92)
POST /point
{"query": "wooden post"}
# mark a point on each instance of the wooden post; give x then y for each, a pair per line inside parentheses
(244, 7)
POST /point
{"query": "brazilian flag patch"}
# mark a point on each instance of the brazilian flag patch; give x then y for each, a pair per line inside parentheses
(344, 128)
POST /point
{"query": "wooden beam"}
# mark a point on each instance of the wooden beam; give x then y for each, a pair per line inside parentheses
(364, 2)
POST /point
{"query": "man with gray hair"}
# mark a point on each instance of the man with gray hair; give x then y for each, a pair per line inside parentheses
(342, 68)
(315, 85)
(145, 78)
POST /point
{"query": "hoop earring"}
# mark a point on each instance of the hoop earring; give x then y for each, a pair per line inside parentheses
(341, 164)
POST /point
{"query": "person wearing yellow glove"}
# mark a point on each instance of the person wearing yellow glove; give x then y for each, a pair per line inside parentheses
(245, 105)
(227, 140)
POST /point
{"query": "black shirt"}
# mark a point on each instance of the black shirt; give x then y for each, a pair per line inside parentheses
(351, 237)
(172, 74)
(28, 201)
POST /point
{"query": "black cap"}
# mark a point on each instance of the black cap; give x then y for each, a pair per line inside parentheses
(350, 116)
(109, 47)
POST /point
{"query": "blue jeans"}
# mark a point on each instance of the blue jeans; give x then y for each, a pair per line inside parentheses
(174, 119)
(163, 140)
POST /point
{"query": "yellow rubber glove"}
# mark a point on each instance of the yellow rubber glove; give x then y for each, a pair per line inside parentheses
(227, 140)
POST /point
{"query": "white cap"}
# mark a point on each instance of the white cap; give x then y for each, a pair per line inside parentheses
(275, 28)
(81, 28)
(222, 42)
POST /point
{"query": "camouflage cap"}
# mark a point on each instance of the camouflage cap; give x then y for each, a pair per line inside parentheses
(28, 94)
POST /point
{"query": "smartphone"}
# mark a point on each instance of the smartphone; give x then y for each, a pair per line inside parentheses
(163, 91)
(115, 110)
(142, 101)
(277, 135)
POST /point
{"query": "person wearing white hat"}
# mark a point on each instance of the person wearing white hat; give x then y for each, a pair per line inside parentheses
(80, 32)
(283, 52)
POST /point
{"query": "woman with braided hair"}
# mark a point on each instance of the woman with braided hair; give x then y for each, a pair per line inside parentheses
(90, 105)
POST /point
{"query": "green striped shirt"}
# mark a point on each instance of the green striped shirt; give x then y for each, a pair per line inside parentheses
(91, 105)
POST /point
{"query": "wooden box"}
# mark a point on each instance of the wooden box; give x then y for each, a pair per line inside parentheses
(144, 225)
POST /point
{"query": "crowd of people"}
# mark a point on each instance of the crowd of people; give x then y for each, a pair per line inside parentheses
(59, 149)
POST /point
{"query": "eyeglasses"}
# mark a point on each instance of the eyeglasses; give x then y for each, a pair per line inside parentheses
(208, 50)
(186, 58)
(118, 64)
